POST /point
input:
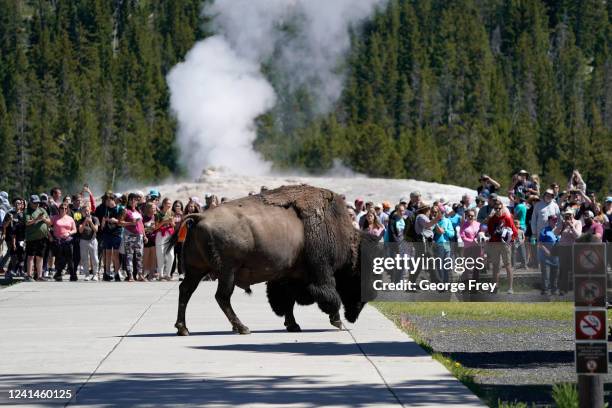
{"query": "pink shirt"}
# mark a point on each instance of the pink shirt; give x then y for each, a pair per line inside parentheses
(134, 216)
(469, 233)
(569, 234)
(63, 226)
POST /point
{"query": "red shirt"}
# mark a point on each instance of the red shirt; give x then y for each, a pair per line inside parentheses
(494, 223)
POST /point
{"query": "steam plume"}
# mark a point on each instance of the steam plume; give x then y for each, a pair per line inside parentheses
(219, 91)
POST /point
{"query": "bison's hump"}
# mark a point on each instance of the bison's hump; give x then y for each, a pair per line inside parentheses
(307, 200)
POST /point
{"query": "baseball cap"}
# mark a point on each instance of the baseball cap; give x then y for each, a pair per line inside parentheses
(588, 214)
(386, 204)
(44, 197)
(550, 192)
(403, 200)
(34, 198)
(493, 196)
(378, 205)
(609, 199)
(568, 211)
(523, 172)
(359, 200)
(153, 193)
(415, 194)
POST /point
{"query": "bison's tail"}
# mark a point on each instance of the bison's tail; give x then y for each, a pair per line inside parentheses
(180, 234)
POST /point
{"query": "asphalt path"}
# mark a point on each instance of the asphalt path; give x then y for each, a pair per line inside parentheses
(114, 344)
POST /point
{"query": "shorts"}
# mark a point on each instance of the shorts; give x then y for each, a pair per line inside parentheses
(36, 247)
(111, 241)
(496, 250)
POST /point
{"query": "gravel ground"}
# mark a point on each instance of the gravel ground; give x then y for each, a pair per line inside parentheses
(515, 360)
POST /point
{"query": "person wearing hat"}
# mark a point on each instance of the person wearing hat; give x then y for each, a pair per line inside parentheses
(485, 212)
(542, 210)
(37, 223)
(592, 226)
(568, 230)
(487, 186)
(382, 216)
(549, 262)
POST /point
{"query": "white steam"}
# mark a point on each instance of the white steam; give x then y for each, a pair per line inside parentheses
(219, 91)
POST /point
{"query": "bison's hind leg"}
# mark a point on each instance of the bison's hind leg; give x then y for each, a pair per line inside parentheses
(281, 295)
(186, 289)
(223, 296)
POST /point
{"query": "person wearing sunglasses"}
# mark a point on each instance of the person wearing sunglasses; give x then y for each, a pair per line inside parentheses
(64, 229)
(502, 232)
(469, 235)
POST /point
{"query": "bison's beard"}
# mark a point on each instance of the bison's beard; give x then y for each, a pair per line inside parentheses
(348, 286)
(352, 311)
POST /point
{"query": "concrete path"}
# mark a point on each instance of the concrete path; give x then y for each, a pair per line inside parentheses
(113, 344)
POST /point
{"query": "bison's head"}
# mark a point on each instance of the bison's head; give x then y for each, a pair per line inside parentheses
(349, 282)
(349, 289)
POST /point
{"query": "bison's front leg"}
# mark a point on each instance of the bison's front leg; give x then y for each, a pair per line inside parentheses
(223, 297)
(186, 289)
(335, 320)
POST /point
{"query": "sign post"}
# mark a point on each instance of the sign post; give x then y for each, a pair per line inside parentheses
(590, 321)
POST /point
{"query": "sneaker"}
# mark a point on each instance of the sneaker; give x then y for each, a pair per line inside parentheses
(181, 277)
(87, 278)
(117, 278)
(94, 277)
(510, 292)
(106, 277)
(27, 279)
(57, 278)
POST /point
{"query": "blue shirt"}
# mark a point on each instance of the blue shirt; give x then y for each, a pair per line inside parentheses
(549, 239)
(447, 235)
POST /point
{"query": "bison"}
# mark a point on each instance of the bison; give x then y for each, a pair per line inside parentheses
(298, 239)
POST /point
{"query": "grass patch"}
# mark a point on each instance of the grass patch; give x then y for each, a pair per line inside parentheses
(557, 311)
(560, 311)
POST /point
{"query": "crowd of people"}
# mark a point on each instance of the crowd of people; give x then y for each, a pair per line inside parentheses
(123, 236)
(534, 227)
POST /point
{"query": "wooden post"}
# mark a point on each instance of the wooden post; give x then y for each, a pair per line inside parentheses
(590, 391)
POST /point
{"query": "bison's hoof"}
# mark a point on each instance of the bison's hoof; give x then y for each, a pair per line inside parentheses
(182, 330)
(294, 328)
(241, 330)
(337, 323)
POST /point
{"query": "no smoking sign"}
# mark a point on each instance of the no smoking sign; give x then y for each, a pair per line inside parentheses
(591, 325)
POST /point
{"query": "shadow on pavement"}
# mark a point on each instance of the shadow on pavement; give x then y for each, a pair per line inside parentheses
(226, 333)
(172, 389)
(373, 349)
(513, 359)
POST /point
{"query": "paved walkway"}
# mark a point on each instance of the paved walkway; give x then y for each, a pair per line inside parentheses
(114, 344)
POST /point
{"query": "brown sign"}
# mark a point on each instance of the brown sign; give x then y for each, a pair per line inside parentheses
(592, 358)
